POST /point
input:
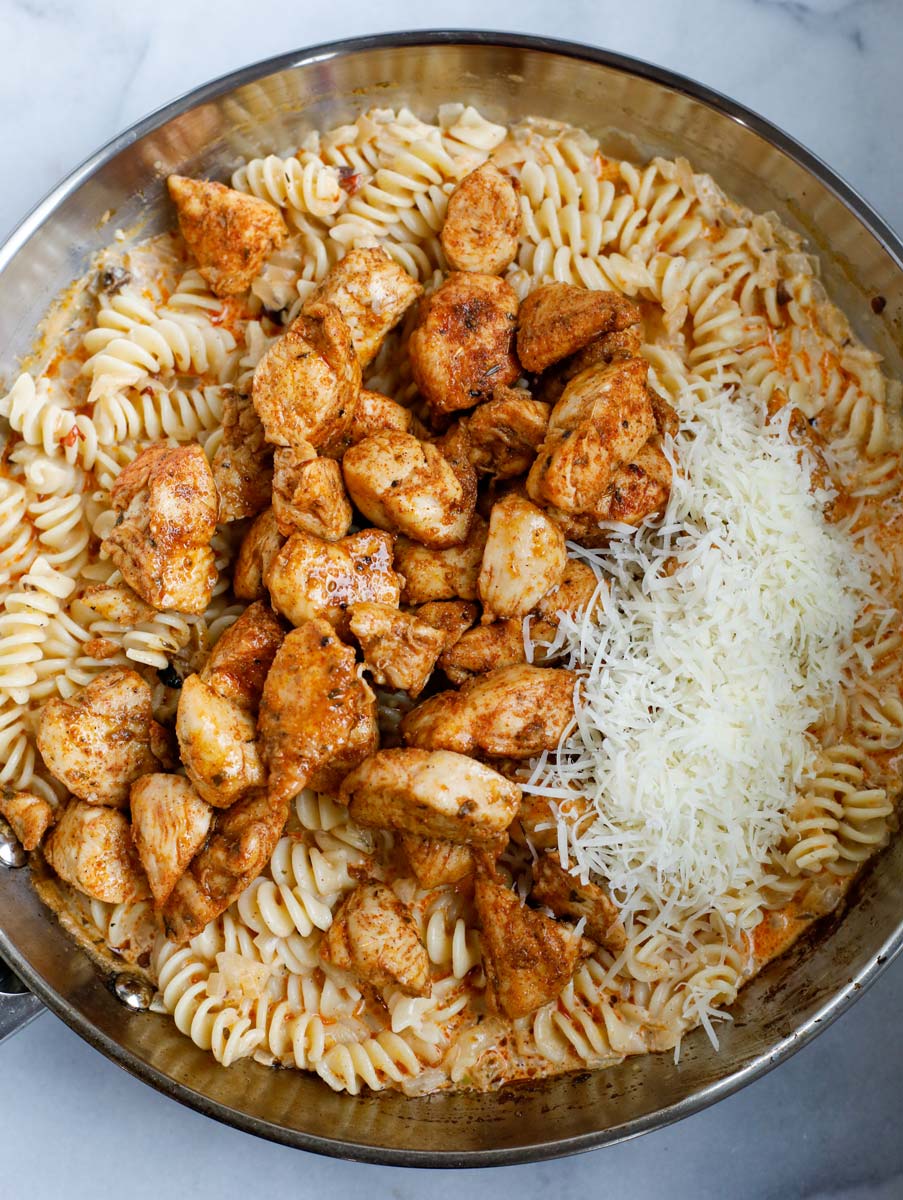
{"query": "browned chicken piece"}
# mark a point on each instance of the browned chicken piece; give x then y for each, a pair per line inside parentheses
(243, 463)
(407, 486)
(452, 617)
(317, 716)
(217, 744)
(482, 223)
(240, 661)
(439, 794)
(558, 319)
(261, 544)
(29, 815)
(601, 421)
(229, 233)
(436, 861)
(442, 574)
(524, 559)
(306, 385)
(312, 578)
(514, 712)
(374, 934)
(667, 421)
(103, 738)
(372, 292)
(504, 434)
(639, 489)
(91, 848)
(463, 345)
(240, 845)
(538, 824)
(528, 957)
(399, 650)
(374, 413)
(169, 825)
(167, 505)
(117, 603)
(567, 897)
(485, 648)
(607, 348)
(309, 495)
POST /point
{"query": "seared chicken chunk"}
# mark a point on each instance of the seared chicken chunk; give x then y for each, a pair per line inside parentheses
(558, 319)
(91, 848)
(117, 603)
(567, 897)
(306, 385)
(524, 559)
(312, 578)
(607, 348)
(240, 661)
(372, 292)
(666, 418)
(482, 223)
(167, 506)
(373, 413)
(539, 825)
(441, 795)
(240, 845)
(528, 958)
(317, 716)
(217, 744)
(601, 421)
(504, 434)
(399, 650)
(29, 815)
(103, 738)
(229, 233)
(169, 824)
(638, 489)
(374, 934)
(243, 463)
(309, 495)
(407, 486)
(261, 544)
(452, 617)
(451, 574)
(436, 861)
(463, 346)
(514, 712)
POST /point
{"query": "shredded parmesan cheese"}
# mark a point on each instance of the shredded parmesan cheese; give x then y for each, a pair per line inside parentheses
(716, 638)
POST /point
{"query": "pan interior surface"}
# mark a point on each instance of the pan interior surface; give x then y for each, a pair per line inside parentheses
(638, 112)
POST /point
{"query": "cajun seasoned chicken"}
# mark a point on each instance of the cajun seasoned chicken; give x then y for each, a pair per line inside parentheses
(243, 463)
(399, 650)
(431, 574)
(238, 848)
(407, 486)
(374, 934)
(604, 349)
(440, 794)
(317, 715)
(309, 495)
(436, 861)
(229, 233)
(482, 223)
(103, 738)
(374, 413)
(29, 815)
(261, 544)
(601, 422)
(167, 506)
(567, 897)
(372, 292)
(240, 661)
(169, 824)
(524, 559)
(639, 488)
(514, 712)
(463, 345)
(217, 744)
(558, 319)
(528, 958)
(306, 385)
(91, 848)
(311, 578)
(451, 617)
(504, 434)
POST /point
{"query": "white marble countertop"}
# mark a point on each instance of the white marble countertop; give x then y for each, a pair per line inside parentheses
(826, 1123)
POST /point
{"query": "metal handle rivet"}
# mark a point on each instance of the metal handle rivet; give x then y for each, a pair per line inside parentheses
(134, 992)
(11, 852)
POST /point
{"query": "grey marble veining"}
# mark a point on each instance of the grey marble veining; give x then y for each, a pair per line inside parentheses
(826, 1124)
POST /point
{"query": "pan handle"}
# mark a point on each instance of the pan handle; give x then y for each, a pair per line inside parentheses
(17, 1005)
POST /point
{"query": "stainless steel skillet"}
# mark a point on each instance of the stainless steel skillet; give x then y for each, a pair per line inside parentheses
(270, 105)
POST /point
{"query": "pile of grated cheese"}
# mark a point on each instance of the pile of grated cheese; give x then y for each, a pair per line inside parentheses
(717, 637)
